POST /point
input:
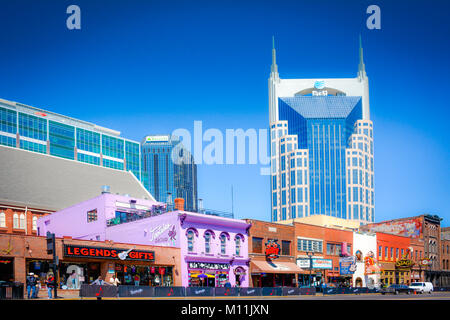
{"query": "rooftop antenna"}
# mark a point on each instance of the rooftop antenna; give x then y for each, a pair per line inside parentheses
(232, 204)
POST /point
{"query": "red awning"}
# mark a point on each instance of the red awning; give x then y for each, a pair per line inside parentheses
(274, 267)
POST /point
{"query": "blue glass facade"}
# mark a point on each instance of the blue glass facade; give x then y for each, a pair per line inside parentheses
(162, 176)
(323, 125)
(61, 136)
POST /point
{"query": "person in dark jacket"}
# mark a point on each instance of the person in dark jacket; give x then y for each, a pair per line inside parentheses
(51, 283)
(31, 285)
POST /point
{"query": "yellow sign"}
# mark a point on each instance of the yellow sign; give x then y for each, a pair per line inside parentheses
(404, 264)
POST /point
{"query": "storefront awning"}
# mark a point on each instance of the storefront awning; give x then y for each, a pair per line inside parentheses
(274, 267)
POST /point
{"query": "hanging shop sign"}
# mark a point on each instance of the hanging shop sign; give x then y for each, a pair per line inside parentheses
(347, 265)
(272, 249)
(239, 271)
(209, 266)
(108, 253)
(404, 264)
(370, 264)
(425, 262)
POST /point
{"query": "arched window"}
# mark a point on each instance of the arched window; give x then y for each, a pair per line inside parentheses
(223, 243)
(22, 221)
(190, 239)
(238, 245)
(16, 221)
(2, 220)
(207, 242)
(34, 223)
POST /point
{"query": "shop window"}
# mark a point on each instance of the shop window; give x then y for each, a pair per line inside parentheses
(92, 215)
(2, 220)
(190, 238)
(223, 243)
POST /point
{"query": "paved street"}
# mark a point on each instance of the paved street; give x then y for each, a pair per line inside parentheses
(433, 296)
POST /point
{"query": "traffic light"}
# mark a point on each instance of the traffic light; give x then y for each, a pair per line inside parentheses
(50, 242)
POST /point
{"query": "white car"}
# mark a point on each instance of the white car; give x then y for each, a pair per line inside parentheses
(422, 287)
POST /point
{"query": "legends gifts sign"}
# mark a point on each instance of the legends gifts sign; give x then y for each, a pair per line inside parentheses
(108, 253)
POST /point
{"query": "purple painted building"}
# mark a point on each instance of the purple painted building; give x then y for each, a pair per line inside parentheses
(214, 250)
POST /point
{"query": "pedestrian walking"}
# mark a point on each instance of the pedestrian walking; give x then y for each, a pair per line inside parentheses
(38, 286)
(114, 281)
(51, 283)
(137, 279)
(31, 286)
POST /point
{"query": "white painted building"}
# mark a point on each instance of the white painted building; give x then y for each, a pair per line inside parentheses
(363, 245)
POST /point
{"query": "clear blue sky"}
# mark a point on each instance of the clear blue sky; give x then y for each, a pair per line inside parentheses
(149, 67)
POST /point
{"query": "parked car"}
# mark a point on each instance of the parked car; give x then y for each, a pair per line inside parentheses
(422, 287)
(396, 289)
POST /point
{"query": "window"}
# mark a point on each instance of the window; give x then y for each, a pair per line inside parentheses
(392, 253)
(257, 245)
(403, 252)
(380, 249)
(385, 252)
(309, 245)
(396, 253)
(92, 215)
(2, 220)
(285, 247)
(207, 242)
(238, 245)
(190, 238)
(34, 223)
(223, 243)
(293, 178)
(22, 221)
(274, 182)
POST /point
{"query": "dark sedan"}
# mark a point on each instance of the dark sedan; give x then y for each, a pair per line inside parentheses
(396, 289)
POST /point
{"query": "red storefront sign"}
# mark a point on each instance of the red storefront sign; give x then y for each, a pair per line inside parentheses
(108, 253)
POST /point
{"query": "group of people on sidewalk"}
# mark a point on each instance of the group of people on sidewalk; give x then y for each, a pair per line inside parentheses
(34, 285)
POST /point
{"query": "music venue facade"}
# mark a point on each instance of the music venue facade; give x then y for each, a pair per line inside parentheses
(205, 250)
(271, 250)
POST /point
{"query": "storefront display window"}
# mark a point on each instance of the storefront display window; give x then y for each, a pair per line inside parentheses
(144, 275)
(72, 275)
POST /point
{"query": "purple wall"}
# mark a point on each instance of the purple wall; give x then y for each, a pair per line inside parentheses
(168, 229)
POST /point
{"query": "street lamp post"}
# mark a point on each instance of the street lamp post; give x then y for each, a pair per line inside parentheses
(310, 254)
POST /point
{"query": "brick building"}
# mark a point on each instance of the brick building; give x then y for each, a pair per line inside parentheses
(391, 249)
(323, 246)
(445, 256)
(425, 234)
(21, 254)
(280, 271)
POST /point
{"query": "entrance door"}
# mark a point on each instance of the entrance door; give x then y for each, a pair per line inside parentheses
(6, 269)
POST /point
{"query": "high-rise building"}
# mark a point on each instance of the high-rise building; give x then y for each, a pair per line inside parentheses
(321, 147)
(45, 132)
(169, 170)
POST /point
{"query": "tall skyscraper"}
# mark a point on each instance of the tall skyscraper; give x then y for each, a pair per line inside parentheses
(169, 171)
(321, 147)
(46, 132)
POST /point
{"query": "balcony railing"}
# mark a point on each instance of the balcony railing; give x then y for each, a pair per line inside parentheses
(134, 215)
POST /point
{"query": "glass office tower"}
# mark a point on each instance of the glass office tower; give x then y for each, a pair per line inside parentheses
(46, 132)
(169, 171)
(321, 147)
